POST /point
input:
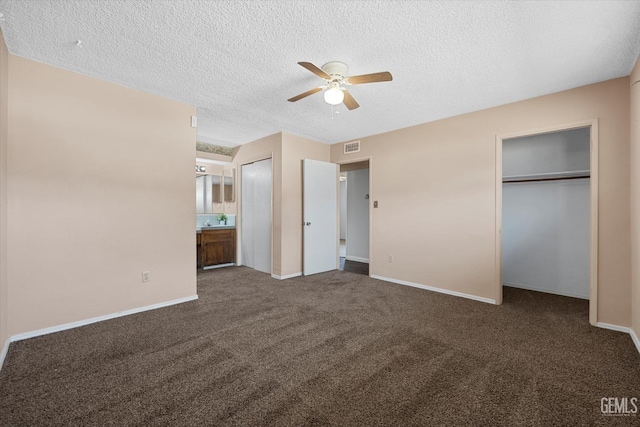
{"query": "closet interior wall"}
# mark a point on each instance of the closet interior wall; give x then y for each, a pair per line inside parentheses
(545, 212)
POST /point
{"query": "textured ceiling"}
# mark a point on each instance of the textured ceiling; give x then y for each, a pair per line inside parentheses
(236, 60)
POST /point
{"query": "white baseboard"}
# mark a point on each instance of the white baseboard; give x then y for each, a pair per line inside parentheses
(613, 327)
(211, 267)
(625, 329)
(288, 276)
(547, 291)
(79, 323)
(439, 290)
(357, 259)
(635, 339)
(5, 349)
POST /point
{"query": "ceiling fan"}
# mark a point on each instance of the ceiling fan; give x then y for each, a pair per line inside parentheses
(335, 75)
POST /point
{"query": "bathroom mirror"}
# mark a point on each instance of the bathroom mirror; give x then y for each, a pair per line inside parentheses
(229, 180)
(208, 194)
(216, 189)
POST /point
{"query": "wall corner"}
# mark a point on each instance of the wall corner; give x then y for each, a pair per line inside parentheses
(635, 200)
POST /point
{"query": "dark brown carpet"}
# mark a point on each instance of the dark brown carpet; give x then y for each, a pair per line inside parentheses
(354, 266)
(331, 349)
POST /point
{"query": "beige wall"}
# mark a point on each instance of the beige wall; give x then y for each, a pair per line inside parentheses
(435, 184)
(287, 152)
(294, 150)
(635, 194)
(4, 305)
(213, 156)
(100, 188)
(89, 209)
(212, 169)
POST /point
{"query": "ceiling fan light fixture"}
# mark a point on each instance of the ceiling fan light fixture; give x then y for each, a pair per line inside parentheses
(333, 96)
(335, 75)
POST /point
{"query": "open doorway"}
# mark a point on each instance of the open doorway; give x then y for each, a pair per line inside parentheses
(546, 209)
(354, 217)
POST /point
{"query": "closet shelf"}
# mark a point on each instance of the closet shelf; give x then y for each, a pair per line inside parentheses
(552, 176)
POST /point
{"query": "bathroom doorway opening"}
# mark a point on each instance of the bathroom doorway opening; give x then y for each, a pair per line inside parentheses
(355, 215)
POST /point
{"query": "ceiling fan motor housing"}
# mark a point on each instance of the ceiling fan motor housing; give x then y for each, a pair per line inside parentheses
(336, 69)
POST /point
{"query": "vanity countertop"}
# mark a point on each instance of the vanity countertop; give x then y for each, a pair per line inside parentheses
(215, 227)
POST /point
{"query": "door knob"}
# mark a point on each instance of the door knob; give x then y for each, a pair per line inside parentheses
(308, 223)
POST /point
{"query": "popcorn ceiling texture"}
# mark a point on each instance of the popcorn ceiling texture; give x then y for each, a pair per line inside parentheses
(236, 61)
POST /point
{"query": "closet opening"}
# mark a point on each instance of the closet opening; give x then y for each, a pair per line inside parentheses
(354, 217)
(547, 213)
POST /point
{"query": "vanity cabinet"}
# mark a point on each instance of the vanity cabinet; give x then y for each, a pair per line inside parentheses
(218, 246)
(198, 250)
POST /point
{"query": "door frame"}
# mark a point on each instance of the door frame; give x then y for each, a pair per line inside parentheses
(258, 158)
(593, 206)
(346, 162)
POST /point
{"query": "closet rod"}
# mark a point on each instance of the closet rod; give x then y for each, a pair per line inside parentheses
(557, 178)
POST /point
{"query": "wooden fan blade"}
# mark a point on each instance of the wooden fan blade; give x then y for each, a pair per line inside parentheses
(384, 76)
(304, 95)
(315, 70)
(349, 101)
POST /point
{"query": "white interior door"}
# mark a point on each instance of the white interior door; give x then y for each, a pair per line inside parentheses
(262, 216)
(246, 214)
(256, 215)
(320, 212)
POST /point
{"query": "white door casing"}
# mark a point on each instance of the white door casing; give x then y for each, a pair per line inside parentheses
(262, 217)
(246, 213)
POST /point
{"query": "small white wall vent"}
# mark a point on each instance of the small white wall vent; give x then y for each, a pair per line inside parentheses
(351, 147)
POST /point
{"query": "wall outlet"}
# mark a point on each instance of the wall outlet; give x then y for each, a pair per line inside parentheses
(390, 259)
(146, 276)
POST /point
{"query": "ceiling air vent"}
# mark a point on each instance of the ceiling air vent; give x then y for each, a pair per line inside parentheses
(351, 147)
